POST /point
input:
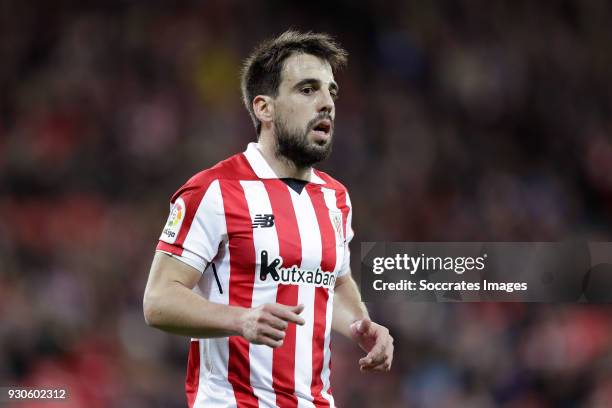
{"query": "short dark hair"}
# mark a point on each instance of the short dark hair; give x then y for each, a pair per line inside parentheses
(261, 73)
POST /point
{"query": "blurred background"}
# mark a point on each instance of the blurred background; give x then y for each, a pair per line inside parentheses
(457, 121)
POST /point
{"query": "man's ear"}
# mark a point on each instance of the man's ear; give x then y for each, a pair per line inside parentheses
(263, 106)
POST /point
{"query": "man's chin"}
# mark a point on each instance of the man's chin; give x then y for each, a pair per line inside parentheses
(320, 144)
(305, 151)
(319, 138)
(319, 152)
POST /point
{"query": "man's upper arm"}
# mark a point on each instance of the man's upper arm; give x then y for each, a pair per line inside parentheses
(340, 280)
(166, 270)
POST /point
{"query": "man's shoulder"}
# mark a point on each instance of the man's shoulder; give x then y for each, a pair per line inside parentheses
(235, 167)
(331, 182)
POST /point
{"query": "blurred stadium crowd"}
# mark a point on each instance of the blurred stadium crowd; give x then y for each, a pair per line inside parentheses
(457, 121)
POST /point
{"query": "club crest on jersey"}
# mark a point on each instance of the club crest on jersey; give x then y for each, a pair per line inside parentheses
(175, 220)
(294, 275)
(336, 218)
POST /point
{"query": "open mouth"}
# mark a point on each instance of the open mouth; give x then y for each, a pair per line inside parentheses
(323, 128)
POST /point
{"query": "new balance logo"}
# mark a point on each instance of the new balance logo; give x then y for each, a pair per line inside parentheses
(263, 221)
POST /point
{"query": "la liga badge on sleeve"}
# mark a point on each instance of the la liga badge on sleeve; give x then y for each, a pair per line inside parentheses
(175, 220)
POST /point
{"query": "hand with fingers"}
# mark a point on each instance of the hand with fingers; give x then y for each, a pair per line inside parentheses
(266, 324)
(375, 340)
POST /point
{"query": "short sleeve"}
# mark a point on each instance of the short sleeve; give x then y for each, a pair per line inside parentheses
(346, 261)
(196, 225)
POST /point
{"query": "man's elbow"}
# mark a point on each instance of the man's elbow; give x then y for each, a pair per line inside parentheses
(151, 309)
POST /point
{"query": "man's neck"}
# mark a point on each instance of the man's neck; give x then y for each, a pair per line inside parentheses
(282, 166)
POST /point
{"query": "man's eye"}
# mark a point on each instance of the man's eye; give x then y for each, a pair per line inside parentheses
(308, 90)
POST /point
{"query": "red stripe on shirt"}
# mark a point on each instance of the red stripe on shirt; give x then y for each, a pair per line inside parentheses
(290, 250)
(192, 201)
(170, 248)
(193, 373)
(328, 264)
(342, 205)
(242, 277)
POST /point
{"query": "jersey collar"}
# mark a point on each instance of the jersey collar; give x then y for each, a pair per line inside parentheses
(263, 170)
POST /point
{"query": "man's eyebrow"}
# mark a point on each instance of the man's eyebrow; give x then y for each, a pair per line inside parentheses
(314, 81)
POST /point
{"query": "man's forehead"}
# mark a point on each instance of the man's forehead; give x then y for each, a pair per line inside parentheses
(300, 66)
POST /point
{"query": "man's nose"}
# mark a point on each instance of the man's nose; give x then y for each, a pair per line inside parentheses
(326, 103)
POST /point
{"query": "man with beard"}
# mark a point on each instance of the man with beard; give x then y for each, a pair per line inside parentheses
(266, 237)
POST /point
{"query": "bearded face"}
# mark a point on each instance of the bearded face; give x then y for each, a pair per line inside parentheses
(304, 110)
(307, 146)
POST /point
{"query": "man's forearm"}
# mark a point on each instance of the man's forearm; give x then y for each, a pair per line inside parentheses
(169, 304)
(179, 310)
(348, 306)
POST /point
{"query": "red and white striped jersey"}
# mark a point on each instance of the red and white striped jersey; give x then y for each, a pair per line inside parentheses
(258, 241)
